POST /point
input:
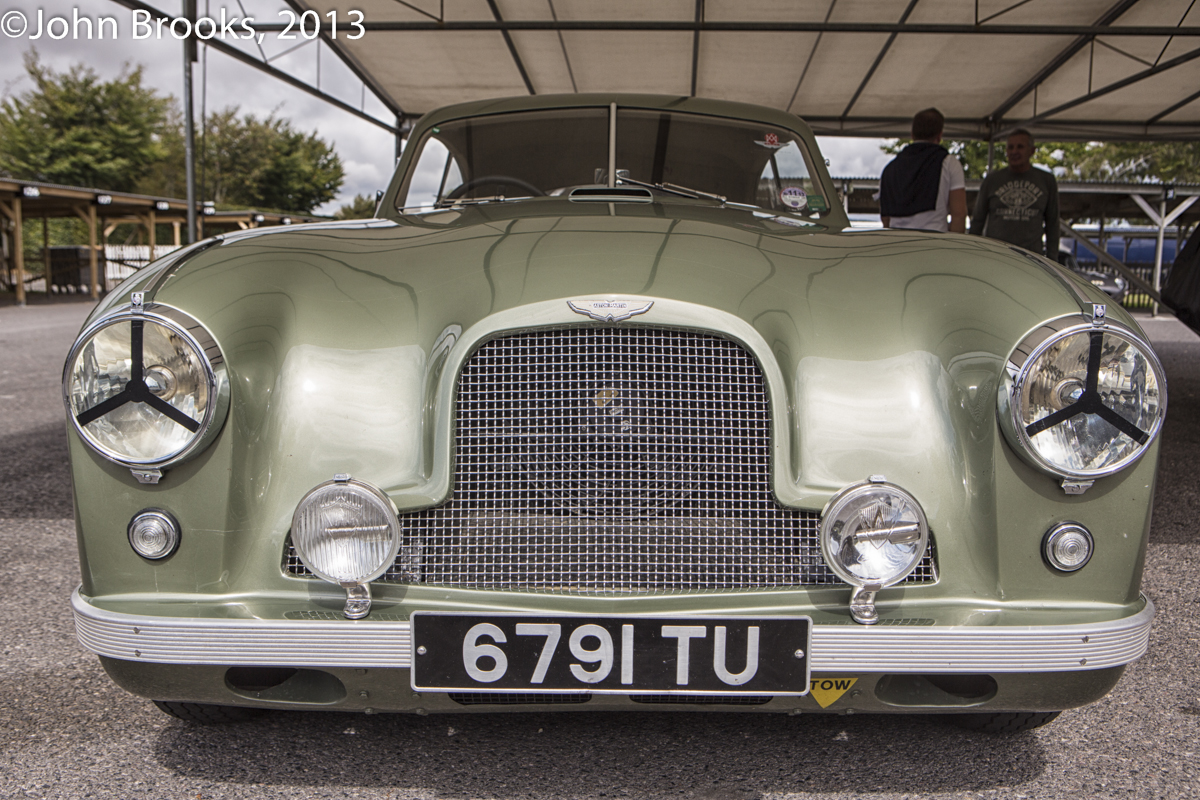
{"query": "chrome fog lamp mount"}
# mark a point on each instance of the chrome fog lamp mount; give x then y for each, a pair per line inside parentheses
(1082, 398)
(873, 535)
(146, 387)
(347, 532)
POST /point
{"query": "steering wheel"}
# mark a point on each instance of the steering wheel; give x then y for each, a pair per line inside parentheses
(503, 180)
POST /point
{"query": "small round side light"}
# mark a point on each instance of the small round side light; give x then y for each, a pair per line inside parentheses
(153, 534)
(1068, 546)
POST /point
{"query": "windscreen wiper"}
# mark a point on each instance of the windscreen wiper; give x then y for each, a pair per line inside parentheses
(469, 201)
(682, 191)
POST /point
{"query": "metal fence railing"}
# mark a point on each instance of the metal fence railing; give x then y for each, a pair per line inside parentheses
(125, 259)
(1137, 254)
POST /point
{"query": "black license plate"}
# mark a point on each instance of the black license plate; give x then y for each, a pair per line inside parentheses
(613, 655)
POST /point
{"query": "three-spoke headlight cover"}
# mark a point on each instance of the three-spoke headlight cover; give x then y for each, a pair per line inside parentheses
(1082, 399)
(146, 387)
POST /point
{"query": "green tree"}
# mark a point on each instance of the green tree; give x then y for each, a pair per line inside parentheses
(361, 207)
(1165, 162)
(75, 129)
(250, 162)
(166, 177)
(1059, 157)
(302, 171)
(1162, 162)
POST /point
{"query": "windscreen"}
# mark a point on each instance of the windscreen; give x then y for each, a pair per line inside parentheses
(537, 153)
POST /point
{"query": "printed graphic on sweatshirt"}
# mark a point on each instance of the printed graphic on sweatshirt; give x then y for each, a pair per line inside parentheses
(1021, 201)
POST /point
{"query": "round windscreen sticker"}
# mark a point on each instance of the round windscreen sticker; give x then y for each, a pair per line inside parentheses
(794, 197)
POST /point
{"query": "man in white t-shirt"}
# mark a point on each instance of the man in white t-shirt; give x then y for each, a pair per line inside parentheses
(924, 184)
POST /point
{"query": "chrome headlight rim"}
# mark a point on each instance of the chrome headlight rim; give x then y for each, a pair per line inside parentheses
(843, 498)
(1018, 368)
(392, 516)
(211, 359)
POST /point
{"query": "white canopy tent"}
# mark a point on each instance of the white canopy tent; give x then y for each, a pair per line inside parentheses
(1066, 69)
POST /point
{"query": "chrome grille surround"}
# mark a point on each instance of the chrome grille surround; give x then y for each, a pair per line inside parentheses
(613, 459)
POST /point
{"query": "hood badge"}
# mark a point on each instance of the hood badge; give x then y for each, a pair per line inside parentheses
(609, 310)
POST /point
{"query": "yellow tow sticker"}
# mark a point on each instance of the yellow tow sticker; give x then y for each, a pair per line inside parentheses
(826, 691)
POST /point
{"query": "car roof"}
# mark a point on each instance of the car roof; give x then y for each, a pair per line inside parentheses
(690, 105)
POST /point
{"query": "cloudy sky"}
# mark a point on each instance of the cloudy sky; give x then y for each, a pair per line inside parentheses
(367, 151)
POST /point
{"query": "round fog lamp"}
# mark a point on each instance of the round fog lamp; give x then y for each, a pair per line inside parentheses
(873, 534)
(153, 534)
(1068, 546)
(346, 532)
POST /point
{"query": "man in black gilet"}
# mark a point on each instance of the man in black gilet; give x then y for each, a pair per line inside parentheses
(924, 184)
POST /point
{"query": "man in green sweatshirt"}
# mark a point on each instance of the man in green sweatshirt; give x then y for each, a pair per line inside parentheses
(1019, 203)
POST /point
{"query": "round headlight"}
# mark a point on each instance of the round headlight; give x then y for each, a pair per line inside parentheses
(1082, 401)
(346, 532)
(1067, 546)
(873, 534)
(146, 387)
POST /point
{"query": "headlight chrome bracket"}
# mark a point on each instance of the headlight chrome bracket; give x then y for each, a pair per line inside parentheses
(1070, 486)
(146, 476)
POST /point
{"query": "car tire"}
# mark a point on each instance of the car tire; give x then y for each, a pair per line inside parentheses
(1006, 722)
(205, 713)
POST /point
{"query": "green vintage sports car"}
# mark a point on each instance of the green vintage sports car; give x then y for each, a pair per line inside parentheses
(610, 409)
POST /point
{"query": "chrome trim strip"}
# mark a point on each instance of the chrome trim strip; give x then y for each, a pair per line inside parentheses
(835, 648)
(293, 643)
(996, 649)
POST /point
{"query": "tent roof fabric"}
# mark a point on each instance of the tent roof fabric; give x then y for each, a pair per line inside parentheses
(1065, 69)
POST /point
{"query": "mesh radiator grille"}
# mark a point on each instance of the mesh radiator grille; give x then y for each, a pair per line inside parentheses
(612, 459)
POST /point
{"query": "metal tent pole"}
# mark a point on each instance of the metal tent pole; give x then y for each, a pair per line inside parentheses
(1158, 249)
(1162, 219)
(189, 146)
(19, 249)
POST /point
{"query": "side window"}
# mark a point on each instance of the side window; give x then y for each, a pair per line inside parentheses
(785, 184)
(435, 174)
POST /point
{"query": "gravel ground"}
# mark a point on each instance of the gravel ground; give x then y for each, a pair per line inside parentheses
(67, 732)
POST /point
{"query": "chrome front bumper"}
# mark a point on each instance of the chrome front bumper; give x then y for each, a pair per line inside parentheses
(382, 643)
